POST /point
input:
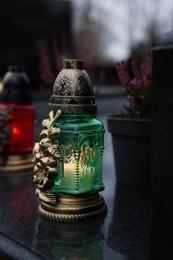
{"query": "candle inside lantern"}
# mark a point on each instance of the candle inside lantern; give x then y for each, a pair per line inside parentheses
(81, 173)
(85, 175)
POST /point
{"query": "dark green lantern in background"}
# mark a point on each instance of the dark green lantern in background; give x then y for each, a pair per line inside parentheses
(68, 158)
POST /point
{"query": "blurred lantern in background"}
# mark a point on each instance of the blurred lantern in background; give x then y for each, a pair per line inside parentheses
(5, 132)
(68, 158)
(16, 95)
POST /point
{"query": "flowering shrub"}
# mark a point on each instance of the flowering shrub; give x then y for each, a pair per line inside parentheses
(51, 60)
(136, 81)
(45, 64)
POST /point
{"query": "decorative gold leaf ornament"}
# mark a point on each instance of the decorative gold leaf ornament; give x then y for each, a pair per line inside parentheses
(46, 153)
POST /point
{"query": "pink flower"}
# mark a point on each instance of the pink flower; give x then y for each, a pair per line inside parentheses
(145, 69)
(130, 100)
(137, 73)
(44, 65)
(136, 83)
(141, 97)
(58, 60)
(123, 73)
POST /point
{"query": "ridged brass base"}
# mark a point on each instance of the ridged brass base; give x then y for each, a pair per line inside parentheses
(74, 208)
(17, 162)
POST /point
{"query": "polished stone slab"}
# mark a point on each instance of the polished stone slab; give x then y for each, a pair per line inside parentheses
(124, 233)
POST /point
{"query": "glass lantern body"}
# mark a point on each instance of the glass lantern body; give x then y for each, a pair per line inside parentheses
(81, 143)
(22, 125)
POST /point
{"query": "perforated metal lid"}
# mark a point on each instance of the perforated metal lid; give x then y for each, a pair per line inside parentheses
(72, 90)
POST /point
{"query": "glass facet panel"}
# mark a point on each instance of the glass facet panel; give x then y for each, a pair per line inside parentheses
(81, 144)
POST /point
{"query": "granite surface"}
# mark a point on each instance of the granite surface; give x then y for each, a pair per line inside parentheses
(124, 233)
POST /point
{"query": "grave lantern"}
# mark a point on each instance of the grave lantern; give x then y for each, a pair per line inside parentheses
(68, 157)
(16, 97)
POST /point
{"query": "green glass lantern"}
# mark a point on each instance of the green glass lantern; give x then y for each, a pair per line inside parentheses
(70, 150)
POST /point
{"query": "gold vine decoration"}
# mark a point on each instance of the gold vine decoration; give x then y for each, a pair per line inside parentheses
(46, 154)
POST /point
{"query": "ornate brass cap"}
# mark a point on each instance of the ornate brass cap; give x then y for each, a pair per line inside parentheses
(72, 90)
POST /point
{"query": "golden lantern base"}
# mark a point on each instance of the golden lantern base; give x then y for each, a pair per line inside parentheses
(17, 162)
(74, 208)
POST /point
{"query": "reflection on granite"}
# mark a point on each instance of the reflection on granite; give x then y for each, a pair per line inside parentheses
(129, 232)
(123, 235)
(70, 240)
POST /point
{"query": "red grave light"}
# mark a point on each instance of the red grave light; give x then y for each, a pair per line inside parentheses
(16, 94)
